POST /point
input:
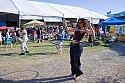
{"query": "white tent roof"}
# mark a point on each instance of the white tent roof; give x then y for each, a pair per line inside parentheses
(8, 6)
(79, 11)
(52, 19)
(46, 9)
(66, 13)
(31, 17)
(46, 19)
(99, 15)
(26, 8)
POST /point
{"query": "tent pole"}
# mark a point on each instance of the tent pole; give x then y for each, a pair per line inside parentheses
(18, 11)
(19, 19)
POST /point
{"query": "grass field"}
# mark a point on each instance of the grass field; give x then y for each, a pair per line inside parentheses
(44, 50)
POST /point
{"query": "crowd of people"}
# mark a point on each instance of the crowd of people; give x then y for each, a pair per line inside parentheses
(10, 37)
(76, 46)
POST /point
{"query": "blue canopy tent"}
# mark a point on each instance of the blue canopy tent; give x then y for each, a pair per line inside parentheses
(120, 14)
(112, 21)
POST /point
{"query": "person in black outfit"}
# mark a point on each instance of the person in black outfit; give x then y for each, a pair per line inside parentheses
(76, 46)
(39, 35)
(90, 40)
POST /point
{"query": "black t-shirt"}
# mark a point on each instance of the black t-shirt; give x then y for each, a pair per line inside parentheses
(78, 35)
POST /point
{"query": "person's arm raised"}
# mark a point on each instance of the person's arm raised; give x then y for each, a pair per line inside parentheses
(66, 26)
(90, 30)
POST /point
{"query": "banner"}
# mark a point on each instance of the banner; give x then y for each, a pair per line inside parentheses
(109, 13)
(117, 30)
(112, 29)
(123, 30)
(120, 31)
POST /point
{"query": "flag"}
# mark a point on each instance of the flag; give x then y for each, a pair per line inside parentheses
(109, 13)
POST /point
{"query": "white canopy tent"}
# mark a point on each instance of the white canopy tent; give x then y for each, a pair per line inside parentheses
(46, 9)
(8, 7)
(49, 12)
(37, 10)
(46, 19)
(79, 11)
(52, 19)
(99, 15)
(26, 8)
(66, 13)
(8, 11)
(84, 13)
(30, 17)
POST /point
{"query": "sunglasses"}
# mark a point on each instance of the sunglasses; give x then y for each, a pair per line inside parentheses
(79, 22)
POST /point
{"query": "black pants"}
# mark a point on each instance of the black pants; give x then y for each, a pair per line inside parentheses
(75, 54)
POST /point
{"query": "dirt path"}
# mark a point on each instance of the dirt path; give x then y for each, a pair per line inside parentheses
(107, 66)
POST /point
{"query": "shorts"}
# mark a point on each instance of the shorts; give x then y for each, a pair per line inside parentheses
(7, 41)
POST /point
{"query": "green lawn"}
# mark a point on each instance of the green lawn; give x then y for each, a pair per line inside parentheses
(44, 50)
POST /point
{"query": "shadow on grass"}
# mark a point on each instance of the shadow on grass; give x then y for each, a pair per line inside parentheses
(95, 43)
(44, 45)
(86, 44)
(45, 53)
(45, 80)
(8, 54)
(29, 54)
(119, 48)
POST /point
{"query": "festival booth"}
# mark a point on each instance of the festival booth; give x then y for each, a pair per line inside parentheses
(112, 21)
(114, 27)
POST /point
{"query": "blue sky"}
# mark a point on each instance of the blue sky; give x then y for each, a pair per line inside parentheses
(99, 6)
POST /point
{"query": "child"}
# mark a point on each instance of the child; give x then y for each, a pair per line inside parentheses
(23, 40)
(14, 38)
(60, 38)
(7, 40)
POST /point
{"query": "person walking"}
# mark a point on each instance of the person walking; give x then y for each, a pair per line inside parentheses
(60, 38)
(8, 40)
(23, 40)
(39, 35)
(90, 36)
(76, 46)
(1, 38)
(90, 40)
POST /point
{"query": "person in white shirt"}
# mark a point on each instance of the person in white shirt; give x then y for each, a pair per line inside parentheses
(0, 37)
(23, 40)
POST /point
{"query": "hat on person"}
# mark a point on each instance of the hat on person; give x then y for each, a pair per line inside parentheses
(61, 27)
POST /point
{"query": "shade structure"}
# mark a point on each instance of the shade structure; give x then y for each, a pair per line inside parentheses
(112, 21)
(119, 14)
(66, 13)
(28, 9)
(46, 9)
(8, 7)
(34, 23)
(5, 27)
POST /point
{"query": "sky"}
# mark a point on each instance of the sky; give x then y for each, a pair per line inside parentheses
(98, 6)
